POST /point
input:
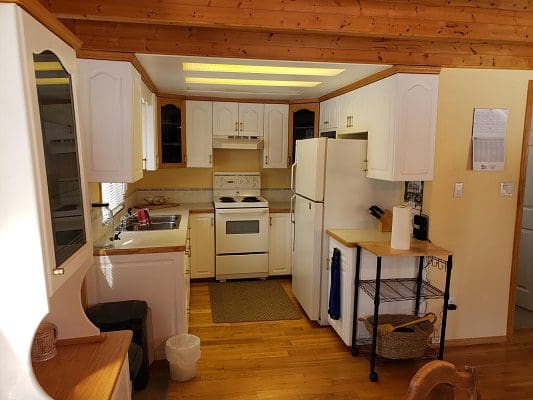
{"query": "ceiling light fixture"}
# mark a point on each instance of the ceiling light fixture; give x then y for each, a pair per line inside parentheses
(260, 69)
(47, 66)
(249, 82)
(53, 81)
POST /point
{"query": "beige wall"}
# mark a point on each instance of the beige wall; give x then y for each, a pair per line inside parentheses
(223, 160)
(478, 227)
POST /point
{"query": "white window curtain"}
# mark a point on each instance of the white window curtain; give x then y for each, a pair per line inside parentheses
(114, 194)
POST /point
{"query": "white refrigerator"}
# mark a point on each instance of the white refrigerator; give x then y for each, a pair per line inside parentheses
(331, 191)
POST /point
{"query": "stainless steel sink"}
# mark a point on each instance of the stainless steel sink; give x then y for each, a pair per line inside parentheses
(158, 223)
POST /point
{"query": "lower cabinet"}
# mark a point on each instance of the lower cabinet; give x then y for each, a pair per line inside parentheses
(202, 245)
(159, 279)
(279, 244)
(122, 389)
(392, 267)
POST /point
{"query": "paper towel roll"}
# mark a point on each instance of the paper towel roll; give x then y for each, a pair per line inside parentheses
(401, 228)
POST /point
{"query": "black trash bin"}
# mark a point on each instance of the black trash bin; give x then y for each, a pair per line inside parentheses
(127, 315)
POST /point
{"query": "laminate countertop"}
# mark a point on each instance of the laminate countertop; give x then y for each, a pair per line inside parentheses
(84, 371)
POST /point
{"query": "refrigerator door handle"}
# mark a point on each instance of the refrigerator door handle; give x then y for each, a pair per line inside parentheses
(293, 167)
(293, 197)
(293, 219)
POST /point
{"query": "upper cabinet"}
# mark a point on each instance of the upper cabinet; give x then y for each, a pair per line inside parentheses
(110, 107)
(46, 236)
(199, 133)
(401, 112)
(303, 124)
(171, 117)
(149, 129)
(329, 117)
(276, 136)
(237, 119)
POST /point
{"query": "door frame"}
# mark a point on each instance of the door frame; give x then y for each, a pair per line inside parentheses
(518, 219)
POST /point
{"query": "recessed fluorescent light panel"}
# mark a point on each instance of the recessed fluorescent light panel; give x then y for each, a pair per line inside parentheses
(249, 82)
(260, 69)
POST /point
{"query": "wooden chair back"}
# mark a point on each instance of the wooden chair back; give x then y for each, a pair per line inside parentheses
(436, 380)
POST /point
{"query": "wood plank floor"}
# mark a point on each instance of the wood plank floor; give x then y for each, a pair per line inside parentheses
(296, 360)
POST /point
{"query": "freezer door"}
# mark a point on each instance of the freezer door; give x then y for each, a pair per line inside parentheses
(308, 174)
(307, 254)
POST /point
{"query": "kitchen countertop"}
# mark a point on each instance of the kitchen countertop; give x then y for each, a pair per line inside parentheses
(352, 237)
(84, 371)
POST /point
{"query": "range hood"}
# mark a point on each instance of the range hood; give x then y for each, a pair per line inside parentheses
(237, 142)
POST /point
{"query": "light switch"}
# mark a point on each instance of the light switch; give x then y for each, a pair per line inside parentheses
(458, 189)
(506, 189)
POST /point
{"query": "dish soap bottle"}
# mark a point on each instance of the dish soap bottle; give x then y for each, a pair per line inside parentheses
(102, 223)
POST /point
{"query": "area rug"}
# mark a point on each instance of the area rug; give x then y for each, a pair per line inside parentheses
(248, 301)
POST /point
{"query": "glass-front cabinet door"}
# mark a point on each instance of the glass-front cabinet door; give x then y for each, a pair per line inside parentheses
(172, 132)
(60, 144)
(303, 124)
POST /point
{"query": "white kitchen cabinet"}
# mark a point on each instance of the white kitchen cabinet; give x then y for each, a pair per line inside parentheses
(402, 112)
(199, 133)
(111, 120)
(202, 245)
(276, 136)
(237, 119)
(347, 106)
(149, 129)
(329, 117)
(225, 118)
(279, 244)
(158, 278)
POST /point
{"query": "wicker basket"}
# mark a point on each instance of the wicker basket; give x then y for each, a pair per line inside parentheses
(400, 345)
(44, 343)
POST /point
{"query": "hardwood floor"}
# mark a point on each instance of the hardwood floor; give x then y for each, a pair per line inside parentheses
(299, 360)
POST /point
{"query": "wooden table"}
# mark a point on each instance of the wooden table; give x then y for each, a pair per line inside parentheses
(419, 249)
(85, 368)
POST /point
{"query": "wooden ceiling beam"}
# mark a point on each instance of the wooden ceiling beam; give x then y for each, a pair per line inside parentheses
(416, 19)
(207, 42)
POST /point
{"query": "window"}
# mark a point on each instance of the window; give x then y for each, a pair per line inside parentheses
(114, 193)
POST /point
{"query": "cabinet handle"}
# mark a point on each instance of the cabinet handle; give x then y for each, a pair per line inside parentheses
(58, 271)
(270, 218)
(242, 126)
(266, 159)
(326, 122)
(211, 221)
(347, 121)
(236, 126)
(366, 166)
(210, 159)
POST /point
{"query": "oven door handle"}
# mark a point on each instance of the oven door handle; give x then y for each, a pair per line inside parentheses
(242, 211)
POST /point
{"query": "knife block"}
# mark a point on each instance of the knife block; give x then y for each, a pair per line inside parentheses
(385, 222)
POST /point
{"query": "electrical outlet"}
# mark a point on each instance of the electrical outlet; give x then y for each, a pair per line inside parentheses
(435, 340)
(458, 189)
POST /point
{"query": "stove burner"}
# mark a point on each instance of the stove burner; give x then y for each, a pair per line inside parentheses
(250, 199)
(227, 199)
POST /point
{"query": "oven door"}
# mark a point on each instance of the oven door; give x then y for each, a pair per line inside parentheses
(243, 230)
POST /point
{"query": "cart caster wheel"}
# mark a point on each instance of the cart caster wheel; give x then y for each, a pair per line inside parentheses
(355, 351)
(373, 376)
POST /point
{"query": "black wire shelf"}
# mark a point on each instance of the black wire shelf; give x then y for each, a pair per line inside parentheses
(400, 289)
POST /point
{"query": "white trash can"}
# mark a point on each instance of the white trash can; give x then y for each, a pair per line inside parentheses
(182, 351)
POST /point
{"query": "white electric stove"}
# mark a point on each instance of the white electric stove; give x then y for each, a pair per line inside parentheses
(241, 226)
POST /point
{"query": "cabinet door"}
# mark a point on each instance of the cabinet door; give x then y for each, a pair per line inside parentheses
(199, 133)
(380, 112)
(202, 246)
(110, 116)
(279, 244)
(344, 108)
(172, 135)
(276, 136)
(329, 114)
(303, 124)
(414, 139)
(149, 129)
(225, 119)
(251, 119)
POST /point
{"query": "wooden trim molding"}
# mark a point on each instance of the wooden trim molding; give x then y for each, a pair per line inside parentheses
(119, 56)
(379, 76)
(519, 210)
(45, 17)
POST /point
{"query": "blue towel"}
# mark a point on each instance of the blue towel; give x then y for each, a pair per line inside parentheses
(334, 309)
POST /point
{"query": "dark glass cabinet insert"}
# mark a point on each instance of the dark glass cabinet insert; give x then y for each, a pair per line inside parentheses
(171, 133)
(60, 143)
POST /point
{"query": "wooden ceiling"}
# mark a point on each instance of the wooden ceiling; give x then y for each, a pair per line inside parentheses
(461, 33)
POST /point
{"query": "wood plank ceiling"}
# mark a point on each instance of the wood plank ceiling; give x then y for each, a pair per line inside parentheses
(461, 33)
